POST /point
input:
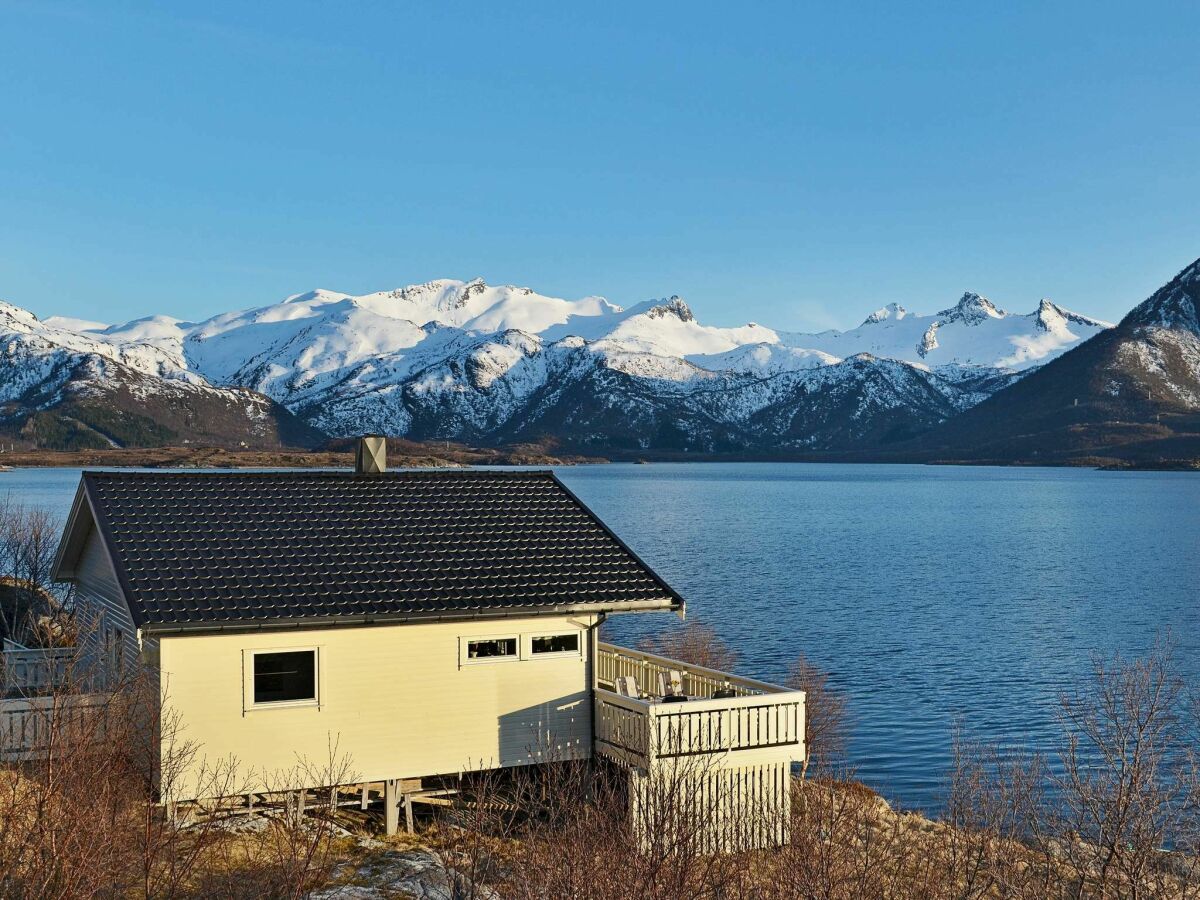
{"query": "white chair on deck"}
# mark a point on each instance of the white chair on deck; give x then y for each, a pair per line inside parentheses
(670, 683)
(627, 686)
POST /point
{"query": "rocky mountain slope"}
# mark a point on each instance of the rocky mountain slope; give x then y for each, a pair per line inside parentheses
(63, 389)
(1131, 393)
(485, 364)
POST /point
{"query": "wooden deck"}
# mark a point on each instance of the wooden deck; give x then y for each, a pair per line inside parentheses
(722, 763)
(31, 702)
(762, 719)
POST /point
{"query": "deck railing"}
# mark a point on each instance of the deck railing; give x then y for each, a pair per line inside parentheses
(612, 662)
(27, 672)
(751, 715)
(29, 725)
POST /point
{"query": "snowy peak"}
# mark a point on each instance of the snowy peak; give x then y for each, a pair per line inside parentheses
(892, 311)
(972, 309)
(1175, 306)
(1050, 316)
(972, 333)
(762, 360)
(675, 306)
(12, 316)
(319, 295)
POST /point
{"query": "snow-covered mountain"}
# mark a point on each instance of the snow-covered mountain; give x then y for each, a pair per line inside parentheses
(1131, 393)
(471, 361)
(62, 385)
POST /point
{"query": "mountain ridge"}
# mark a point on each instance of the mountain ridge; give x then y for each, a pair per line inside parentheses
(465, 360)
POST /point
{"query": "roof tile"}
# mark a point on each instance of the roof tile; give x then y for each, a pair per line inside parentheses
(215, 548)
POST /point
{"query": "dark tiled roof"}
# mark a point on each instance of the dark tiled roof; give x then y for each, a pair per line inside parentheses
(209, 548)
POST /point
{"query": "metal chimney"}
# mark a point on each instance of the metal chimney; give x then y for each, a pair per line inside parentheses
(370, 456)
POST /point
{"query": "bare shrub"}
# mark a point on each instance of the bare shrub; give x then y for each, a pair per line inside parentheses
(826, 726)
(82, 816)
(992, 808)
(1128, 778)
(569, 830)
(694, 643)
(286, 851)
(30, 603)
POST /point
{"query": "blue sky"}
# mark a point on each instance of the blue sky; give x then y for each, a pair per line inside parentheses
(793, 164)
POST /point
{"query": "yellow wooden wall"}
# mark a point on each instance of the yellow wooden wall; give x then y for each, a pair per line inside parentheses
(396, 700)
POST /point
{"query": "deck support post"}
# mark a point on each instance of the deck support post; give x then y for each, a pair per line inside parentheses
(391, 808)
(364, 796)
(408, 813)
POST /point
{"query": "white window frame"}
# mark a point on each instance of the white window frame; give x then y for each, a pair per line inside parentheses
(527, 644)
(464, 642)
(248, 703)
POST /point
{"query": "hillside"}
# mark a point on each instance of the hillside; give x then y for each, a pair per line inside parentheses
(1129, 394)
(68, 390)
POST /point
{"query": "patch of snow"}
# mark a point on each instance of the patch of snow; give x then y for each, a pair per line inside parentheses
(71, 324)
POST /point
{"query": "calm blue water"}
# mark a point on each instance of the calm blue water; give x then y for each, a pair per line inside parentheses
(932, 594)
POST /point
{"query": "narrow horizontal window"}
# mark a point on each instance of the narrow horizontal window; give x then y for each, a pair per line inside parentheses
(492, 648)
(556, 643)
(285, 677)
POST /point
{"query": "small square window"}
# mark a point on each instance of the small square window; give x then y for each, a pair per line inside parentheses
(285, 677)
(492, 648)
(555, 643)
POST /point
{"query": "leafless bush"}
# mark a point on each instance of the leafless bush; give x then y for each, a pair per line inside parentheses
(30, 603)
(1129, 812)
(826, 727)
(293, 851)
(693, 643)
(992, 808)
(846, 844)
(82, 816)
(570, 830)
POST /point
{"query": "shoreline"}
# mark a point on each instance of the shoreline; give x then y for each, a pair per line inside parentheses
(408, 454)
(414, 456)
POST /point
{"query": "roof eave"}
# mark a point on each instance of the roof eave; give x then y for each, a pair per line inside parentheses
(666, 604)
(70, 543)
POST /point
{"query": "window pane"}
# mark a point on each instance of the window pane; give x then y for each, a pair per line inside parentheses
(557, 643)
(490, 648)
(279, 677)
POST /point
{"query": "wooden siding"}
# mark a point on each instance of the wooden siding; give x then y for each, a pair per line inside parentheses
(398, 701)
(719, 808)
(102, 607)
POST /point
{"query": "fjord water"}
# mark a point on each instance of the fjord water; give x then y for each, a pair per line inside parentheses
(935, 596)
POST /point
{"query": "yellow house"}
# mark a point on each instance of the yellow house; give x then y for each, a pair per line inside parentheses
(417, 624)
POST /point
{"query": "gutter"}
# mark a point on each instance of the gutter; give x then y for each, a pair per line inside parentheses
(188, 628)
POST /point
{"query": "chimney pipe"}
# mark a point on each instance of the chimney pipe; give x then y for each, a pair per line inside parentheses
(370, 455)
